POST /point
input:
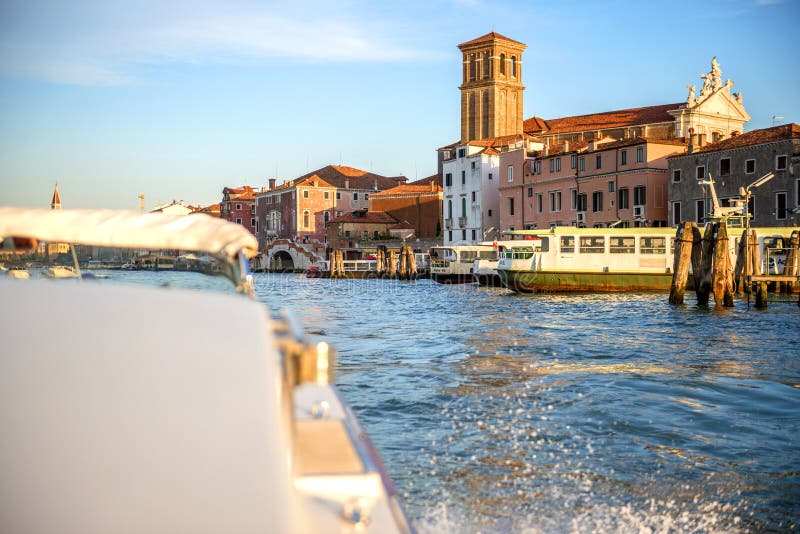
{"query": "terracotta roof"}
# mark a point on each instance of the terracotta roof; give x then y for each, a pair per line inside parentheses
(489, 37)
(336, 175)
(599, 121)
(432, 178)
(212, 209)
(402, 225)
(362, 216)
(408, 189)
(240, 193)
(783, 132)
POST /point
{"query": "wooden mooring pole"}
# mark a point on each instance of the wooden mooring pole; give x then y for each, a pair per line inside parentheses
(790, 268)
(683, 258)
(722, 277)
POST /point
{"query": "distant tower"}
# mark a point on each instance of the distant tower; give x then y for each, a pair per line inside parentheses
(491, 90)
(55, 204)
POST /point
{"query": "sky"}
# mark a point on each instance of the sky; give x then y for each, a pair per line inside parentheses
(178, 99)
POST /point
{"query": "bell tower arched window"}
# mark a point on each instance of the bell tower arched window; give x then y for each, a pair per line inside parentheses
(514, 66)
(486, 64)
(472, 67)
(502, 63)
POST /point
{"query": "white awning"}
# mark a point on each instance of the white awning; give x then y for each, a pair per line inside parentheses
(129, 229)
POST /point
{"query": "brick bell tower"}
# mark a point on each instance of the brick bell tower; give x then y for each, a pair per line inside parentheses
(491, 88)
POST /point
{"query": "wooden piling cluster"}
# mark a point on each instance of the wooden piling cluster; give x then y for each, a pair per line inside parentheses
(337, 264)
(712, 270)
(402, 266)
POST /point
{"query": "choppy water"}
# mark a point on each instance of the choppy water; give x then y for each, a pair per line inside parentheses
(496, 412)
(552, 413)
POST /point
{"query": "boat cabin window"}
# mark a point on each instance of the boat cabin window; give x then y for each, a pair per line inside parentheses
(519, 253)
(567, 244)
(490, 255)
(622, 245)
(653, 245)
(447, 254)
(593, 244)
(468, 256)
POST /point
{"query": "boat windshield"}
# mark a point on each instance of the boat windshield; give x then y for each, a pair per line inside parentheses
(518, 253)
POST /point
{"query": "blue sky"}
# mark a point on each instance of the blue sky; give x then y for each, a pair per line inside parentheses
(178, 99)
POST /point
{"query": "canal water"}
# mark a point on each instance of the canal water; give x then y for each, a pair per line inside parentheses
(497, 412)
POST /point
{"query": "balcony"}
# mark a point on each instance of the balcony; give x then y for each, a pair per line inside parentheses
(448, 224)
(462, 222)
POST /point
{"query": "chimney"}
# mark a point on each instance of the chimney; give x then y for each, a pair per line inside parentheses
(272, 183)
(347, 184)
(566, 146)
(433, 186)
(701, 139)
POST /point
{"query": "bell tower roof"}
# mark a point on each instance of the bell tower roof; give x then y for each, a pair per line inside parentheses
(491, 36)
(56, 202)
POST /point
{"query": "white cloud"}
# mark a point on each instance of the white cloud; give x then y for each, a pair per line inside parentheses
(102, 43)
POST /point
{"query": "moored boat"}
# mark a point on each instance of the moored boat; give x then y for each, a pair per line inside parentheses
(188, 411)
(454, 264)
(589, 259)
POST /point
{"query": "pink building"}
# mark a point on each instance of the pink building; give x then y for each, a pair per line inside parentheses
(239, 205)
(595, 184)
(301, 208)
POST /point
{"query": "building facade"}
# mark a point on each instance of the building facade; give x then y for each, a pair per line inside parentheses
(239, 205)
(418, 203)
(736, 163)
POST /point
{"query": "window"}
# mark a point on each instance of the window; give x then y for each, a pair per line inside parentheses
(610, 186)
(582, 164)
(573, 199)
(592, 244)
(780, 163)
(238, 207)
(338, 195)
(252, 209)
(472, 165)
(780, 205)
(490, 176)
(305, 193)
(488, 213)
(449, 209)
(558, 164)
(463, 177)
(510, 173)
(326, 217)
(700, 172)
(676, 213)
(473, 235)
(622, 198)
(502, 63)
(514, 66)
(725, 167)
(622, 245)
(597, 201)
(598, 161)
(639, 195)
(254, 224)
(567, 244)
(306, 219)
(473, 196)
(623, 157)
(676, 175)
(485, 66)
(347, 233)
(582, 201)
(555, 201)
(640, 155)
(573, 161)
(462, 152)
(750, 166)
(538, 203)
(653, 245)
(355, 196)
(538, 167)
(450, 235)
(463, 206)
(552, 165)
(464, 234)
(530, 192)
(238, 220)
(448, 179)
(326, 195)
(366, 196)
(511, 206)
(699, 210)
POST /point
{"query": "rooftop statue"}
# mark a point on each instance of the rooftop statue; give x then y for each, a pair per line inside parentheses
(690, 99)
